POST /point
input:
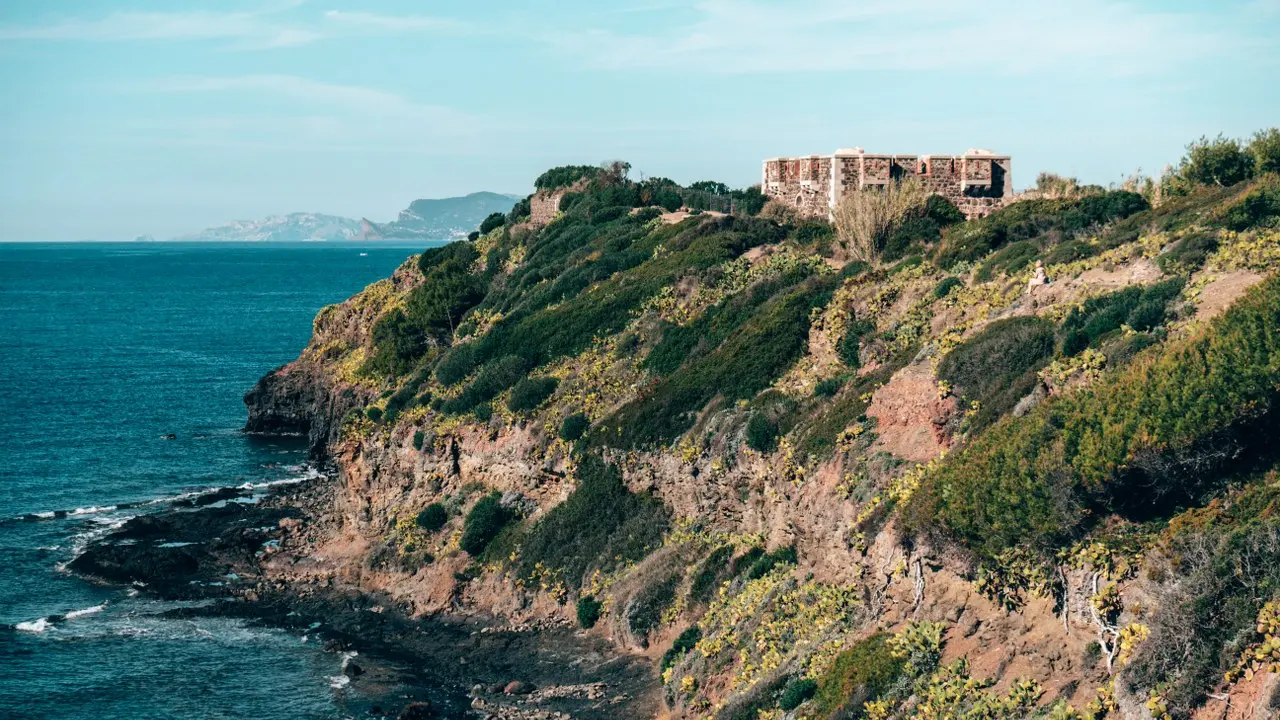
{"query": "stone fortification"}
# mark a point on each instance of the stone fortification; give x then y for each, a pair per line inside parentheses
(978, 182)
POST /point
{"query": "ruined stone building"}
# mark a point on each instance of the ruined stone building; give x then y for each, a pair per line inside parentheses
(978, 182)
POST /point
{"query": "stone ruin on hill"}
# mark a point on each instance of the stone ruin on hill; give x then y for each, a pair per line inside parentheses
(978, 182)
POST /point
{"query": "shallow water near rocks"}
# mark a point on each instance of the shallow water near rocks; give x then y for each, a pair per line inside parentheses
(108, 350)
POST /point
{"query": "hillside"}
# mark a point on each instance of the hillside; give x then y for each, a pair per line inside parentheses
(293, 227)
(432, 219)
(442, 218)
(804, 485)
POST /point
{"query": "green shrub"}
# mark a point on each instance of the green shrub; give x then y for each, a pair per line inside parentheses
(850, 347)
(493, 222)
(564, 176)
(762, 433)
(710, 573)
(418, 438)
(828, 387)
(683, 644)
(860, 674)
(1008, 260)
(456, 364)
(588, 611)
(644, 612)
(998, 366)
(1221, 161)
(669, 200)
(1208, 607)
(433, 517)
(946, 285)
(529, 393)
(574, 427)
(1041, 220)
(746, 560)
(1140, 308)
(768, 561)
(748, 361)
(485, 520)
(374, 414)
(601, 525)
(492, 379)
(1138, 441)
(797, 693)
(1189, 253)
(1265, 149)
(1259, 206)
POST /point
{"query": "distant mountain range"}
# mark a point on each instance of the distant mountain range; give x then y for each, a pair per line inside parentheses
(438, 219)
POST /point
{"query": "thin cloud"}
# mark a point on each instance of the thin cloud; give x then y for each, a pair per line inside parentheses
(393, 23)
(1003, 36)
(268, 27)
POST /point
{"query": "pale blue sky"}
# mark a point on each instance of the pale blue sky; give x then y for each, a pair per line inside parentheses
(124, 117)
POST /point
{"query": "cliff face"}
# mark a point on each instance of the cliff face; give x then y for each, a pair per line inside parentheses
(781, 547)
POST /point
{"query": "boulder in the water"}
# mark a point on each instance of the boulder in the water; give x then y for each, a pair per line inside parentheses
(417, 711)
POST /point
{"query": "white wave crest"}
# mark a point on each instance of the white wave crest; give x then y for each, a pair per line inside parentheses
(87, 611)
(93, 510)
(35, 626)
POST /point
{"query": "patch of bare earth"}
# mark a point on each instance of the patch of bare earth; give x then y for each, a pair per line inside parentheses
(1218, 295)
(911, 419)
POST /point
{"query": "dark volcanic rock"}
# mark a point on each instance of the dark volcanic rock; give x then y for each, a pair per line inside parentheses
(297, 400)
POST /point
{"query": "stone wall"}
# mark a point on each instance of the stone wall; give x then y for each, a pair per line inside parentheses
(977, 182)
(804, 183)
(544, 206)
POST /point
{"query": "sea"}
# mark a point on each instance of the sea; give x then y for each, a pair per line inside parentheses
(122, 367)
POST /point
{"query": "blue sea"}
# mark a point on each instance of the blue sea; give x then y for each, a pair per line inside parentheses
(106, 350)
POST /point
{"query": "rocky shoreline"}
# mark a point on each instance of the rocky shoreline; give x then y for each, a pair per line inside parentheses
(215, 548)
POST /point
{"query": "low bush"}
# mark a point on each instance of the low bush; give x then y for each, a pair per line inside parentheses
(1188, 254)
(493, 222)
(1008, 260)
(1138, 307)
(565, 175)
(599, 526)
(456, 364)
(946, 285)
(748, 361)
(850, 347)
(859, 675)
(433, 517)
(797, 693)
(1265, 149)
(418, 438)
(644, 611)
(1043, 220)
(997, 366)
(1221, 161)
(1139, 441)
(762, 433)
(374, 414)
(766, 562)
(588, 611)
(828, 387)
(492, 379)
(1208, 608)
(486, 519)
(529, 393)
(574, 427)
(710, 574)
(683, 644)
(1258, 207)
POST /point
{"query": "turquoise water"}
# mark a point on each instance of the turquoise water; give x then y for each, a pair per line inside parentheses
(105, 350)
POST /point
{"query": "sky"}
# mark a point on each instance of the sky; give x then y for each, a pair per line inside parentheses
(121, 118)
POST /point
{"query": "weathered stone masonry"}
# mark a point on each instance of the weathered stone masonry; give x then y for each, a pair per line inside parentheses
(978, 182)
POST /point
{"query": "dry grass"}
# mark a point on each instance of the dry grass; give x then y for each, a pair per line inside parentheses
(864, 219)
